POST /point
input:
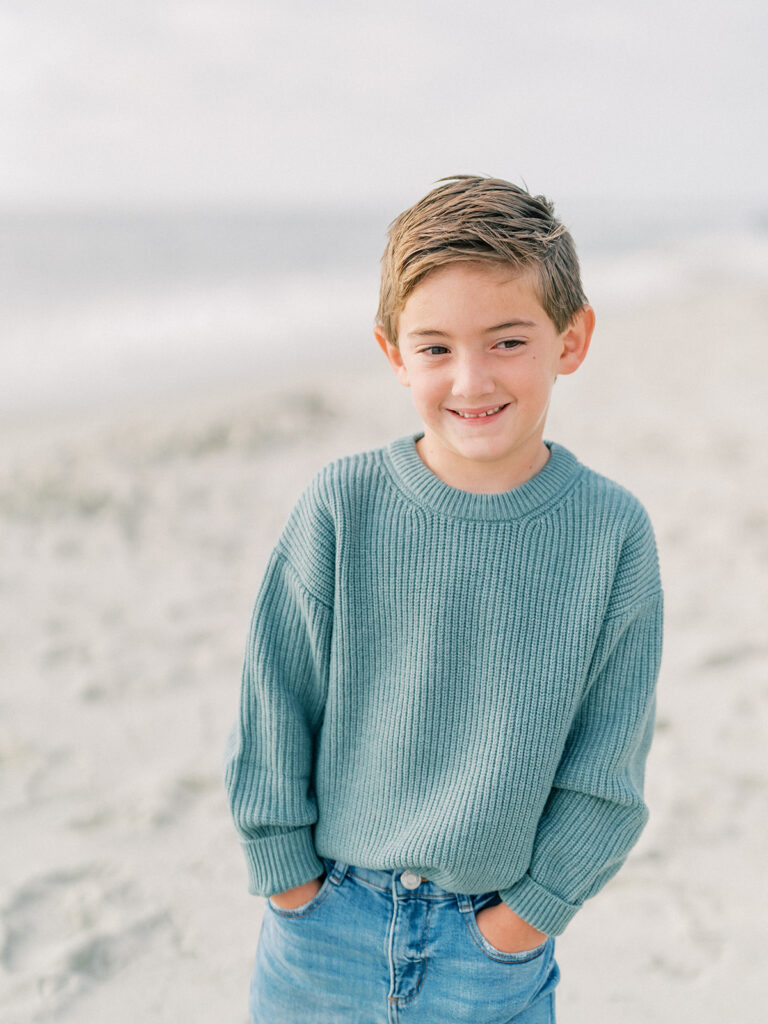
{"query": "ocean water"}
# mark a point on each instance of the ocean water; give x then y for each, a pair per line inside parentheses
(99, 307)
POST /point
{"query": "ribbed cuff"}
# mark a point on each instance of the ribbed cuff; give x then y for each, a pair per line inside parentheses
(280, 862)
(538, 906)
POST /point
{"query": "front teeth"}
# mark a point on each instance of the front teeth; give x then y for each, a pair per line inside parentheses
(477, 415)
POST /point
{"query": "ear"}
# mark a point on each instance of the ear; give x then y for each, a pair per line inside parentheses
(575, 340)
(394, 356)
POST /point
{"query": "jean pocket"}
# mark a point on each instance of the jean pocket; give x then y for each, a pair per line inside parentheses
(489, 950)
(305, 909)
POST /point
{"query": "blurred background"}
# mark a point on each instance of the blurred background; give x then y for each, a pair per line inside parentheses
(191, 192)
(193, 202)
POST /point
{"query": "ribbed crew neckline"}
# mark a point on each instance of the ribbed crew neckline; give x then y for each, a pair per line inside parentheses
(421, 484)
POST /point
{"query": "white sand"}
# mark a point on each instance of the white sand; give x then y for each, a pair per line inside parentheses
(132, 548)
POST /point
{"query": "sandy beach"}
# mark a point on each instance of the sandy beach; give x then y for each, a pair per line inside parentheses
(132, 545)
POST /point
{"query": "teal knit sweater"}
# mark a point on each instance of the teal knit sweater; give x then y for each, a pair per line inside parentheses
(457, 683)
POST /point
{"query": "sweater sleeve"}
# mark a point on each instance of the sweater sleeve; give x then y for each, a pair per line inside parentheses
(595, 811)
(270, 752)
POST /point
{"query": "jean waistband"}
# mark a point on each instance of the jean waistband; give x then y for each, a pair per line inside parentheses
(390, 879)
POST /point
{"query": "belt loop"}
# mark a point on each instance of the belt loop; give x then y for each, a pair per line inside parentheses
(465, 903)
(337, 872)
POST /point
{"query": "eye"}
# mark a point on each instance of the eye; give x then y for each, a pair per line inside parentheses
(509, 343)
(434, 350)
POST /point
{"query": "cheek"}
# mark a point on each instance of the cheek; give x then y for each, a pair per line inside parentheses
(538, 376)
(427, 386)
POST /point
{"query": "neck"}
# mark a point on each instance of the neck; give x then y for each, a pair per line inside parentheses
(482, 477)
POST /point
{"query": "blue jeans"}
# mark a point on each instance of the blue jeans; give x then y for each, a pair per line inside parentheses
(367, 949)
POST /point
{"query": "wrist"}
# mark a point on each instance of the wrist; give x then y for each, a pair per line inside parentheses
(289, 899)
(519, 922)
(506, 930)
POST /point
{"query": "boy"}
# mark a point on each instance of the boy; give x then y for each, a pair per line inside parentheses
(448, 689)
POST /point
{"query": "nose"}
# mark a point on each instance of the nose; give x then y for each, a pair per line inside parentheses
(472, 377)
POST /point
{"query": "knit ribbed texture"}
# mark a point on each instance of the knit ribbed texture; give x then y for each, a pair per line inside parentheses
(461, 684)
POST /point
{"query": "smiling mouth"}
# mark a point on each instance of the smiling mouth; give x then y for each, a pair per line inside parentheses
(479, 414)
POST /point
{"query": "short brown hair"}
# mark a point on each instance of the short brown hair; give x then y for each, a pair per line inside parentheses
(476, 219)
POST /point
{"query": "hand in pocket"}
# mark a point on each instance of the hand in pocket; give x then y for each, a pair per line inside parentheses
(299, 895)
(504, 930)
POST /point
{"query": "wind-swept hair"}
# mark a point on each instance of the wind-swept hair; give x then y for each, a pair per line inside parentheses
(469, 219)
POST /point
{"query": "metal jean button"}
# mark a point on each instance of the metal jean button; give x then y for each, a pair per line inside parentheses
(410, 880)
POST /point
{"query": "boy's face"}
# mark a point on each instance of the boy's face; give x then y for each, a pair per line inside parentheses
(481, 356)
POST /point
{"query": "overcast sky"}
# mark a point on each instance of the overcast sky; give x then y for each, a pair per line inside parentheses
(290, 101)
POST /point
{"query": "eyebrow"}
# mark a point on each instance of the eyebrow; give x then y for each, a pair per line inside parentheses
(429, 332)
(511, 323)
